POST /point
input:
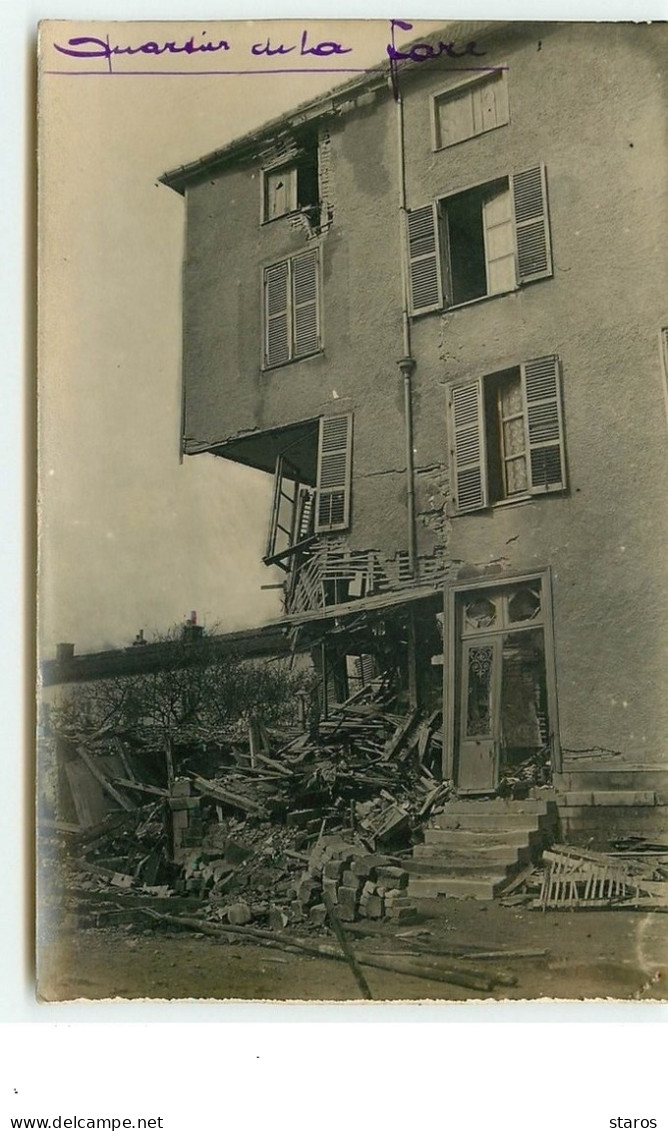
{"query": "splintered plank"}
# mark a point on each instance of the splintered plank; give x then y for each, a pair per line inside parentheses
(98, 774)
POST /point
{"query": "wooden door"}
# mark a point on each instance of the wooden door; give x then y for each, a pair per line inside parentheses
(479, 715)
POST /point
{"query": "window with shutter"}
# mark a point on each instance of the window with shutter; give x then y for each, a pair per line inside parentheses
(291, 309)
(544, 425)
(532, 227)
(468, 447)
(276, 315)
(507, 435)
(424, 260)
(305, 304)
(485, 241)
(334, 473)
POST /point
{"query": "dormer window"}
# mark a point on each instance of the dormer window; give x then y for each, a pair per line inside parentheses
(293, 185)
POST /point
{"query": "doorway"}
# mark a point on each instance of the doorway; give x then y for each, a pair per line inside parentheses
(502, 692)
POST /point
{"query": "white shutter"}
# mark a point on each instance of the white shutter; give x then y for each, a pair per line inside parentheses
(499, 236)
(424, 262)
(545, 430)
(532, 226)
(305, 311)
(334, 473)
(276, 315)
(468, 446)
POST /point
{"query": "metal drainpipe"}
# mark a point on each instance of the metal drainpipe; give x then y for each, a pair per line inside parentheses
(407, 362)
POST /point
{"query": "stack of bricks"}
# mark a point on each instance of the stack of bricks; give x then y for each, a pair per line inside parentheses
(187, 828)
(361, 885)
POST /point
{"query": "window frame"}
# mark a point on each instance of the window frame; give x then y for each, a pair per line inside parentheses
(474, 453)
(499, 74)
(265, 364)
(520, 185)
(272, 171)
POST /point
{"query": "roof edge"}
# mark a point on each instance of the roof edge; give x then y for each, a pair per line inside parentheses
(328, 104)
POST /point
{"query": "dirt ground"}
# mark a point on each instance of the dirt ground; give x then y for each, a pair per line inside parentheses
(591, 954)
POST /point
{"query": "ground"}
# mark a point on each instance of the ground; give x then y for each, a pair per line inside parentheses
(592, 954)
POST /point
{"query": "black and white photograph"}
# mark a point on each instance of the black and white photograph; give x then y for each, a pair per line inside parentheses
(352, 460)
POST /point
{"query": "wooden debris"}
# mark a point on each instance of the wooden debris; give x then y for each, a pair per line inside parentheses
(577, 877)
(412, 968)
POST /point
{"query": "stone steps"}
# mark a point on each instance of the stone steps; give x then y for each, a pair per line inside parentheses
(474, 846)
(498, 805)
(479, 838)
(432, 855)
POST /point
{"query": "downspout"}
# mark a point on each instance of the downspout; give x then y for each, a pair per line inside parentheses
(407, 362)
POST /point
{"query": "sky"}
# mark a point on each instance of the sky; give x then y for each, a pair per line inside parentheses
(129, 537)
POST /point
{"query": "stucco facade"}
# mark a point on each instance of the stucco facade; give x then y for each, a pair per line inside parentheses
(584, 103)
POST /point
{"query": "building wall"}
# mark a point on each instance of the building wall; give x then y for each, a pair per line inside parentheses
(601, 135)
(586, 100)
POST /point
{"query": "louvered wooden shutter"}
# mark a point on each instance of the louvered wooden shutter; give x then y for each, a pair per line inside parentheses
(334, 473)
(468, 447)
(305, 304)
(532, 225)
(545, 430)
(424, 261)
(276, 314)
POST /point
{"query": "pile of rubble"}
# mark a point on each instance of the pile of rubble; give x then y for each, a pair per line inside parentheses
(262, 826)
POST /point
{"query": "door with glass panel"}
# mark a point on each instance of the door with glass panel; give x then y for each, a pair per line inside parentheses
(502, 724)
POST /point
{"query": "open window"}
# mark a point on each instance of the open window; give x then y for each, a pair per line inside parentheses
(507, 436)
(487, 240)
(311, 489)
(293, 185)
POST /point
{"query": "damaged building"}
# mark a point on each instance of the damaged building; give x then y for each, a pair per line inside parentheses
(436, 316)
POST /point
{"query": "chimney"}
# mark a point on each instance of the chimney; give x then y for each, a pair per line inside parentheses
(64, 652)
(192, 631)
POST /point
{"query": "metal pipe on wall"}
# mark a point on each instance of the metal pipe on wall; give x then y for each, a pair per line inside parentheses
(407, 362)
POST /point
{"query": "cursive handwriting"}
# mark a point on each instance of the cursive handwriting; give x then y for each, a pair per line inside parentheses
(92, 47)
(96, 47)
(326, 48)
(422, 52)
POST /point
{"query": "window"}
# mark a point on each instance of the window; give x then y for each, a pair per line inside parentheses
(472, 108)
(293, 186)
(334, 473)
(302, 508)
(506, 435)
(291, 309)
(485, 241)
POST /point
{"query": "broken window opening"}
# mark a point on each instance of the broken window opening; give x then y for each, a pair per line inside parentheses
(311, 495)
(295, 185)
(524, 718)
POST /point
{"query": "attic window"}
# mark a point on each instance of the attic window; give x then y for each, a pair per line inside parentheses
(294, 186)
